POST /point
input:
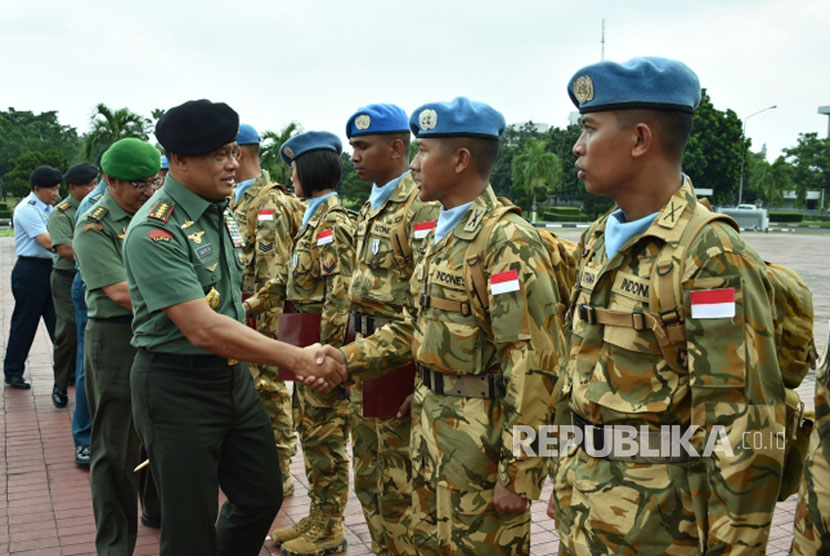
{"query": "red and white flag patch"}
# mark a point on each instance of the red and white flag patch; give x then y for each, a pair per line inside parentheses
(265, 214)
(325, 237)
(504, 282)
(713, 304)
(423, 228)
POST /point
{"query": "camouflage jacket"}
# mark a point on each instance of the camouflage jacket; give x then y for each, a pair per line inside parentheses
(616, 375)
(321, 267)
(380, 283)
(467, 443)
(268, 217)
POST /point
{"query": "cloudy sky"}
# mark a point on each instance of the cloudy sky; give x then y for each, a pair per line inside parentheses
(316, 62)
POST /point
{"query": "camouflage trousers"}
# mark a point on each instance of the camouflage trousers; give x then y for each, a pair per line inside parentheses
(323, 423)
(449, 522)
(276, 398)
(382, 476)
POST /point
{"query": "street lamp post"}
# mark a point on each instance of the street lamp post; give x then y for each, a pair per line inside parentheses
(743, 158)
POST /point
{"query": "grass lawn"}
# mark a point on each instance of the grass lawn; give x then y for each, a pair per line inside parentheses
(6, 233)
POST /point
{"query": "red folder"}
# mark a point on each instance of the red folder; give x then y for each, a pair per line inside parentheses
(383, 396)
(298, 329)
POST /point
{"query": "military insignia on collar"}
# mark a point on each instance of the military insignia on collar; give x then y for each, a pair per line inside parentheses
(64, 205)
(583, 89)
(123, 233)
(428, 119)
(196, 237)
(363, 121)
(161, 211)
(475, 217)
(186, 224)
(289, 152)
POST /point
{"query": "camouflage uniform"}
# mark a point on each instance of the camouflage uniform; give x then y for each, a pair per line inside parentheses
(267, 217)
(462, 445)
(380, 288)
(618, 376)
(811, 534)
(318, 282)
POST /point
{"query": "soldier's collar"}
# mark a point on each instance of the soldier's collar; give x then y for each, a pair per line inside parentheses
(679, 208)
(192, 204)
(113, 208)
(472, 221)
(316, 211)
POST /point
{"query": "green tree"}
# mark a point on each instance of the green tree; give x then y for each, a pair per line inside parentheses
(108, 126)
(269, 152)
(811, 164)
(536, 173)
(561, 143)
(713, 155)
(17, 179)
(353, 190)
(512, 143)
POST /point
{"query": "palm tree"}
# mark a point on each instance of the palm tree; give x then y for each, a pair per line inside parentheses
(269, 152)
(536, 171)
(108, 126)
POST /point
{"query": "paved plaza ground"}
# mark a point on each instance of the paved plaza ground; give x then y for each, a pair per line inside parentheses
(45, 502)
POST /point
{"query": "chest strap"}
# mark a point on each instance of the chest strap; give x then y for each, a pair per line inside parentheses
(489, 386)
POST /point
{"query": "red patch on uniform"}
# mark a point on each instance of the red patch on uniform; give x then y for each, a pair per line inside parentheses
(159, 235)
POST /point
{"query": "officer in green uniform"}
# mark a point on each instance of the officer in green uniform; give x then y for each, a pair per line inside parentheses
(478, 377)
(195, 405)
(391, 229)
(80, 178)
(267, 216)
(318, 283)
(130, 166)
(662, 498)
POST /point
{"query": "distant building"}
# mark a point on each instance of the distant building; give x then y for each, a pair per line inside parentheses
(814, 200)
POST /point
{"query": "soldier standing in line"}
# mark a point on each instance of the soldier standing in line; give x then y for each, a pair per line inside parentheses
(478, 379)
(391, 228)
(80, 178)
(194, 403)
(636, 118)
(268, 218)
(318, 281)
(130, 166)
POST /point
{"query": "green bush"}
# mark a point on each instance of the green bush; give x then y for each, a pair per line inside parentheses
(5, 213)
(786, 217)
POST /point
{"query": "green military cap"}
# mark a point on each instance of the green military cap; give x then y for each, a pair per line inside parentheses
(131, 159)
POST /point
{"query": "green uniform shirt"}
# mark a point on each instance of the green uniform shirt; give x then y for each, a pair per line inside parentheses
(98, 244)
(179, 247)
(61, 227)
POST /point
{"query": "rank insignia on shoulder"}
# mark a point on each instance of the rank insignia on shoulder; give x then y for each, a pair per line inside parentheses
(422, 228)
(161, 211)
(64, 205)
(504, 282)
(196, 237)
(98, 213)
(32, 202)
(93, 226)
(97, 196)
(160, 235)
(325, 237)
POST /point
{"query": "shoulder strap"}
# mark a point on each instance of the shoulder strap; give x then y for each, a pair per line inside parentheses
(401, 230)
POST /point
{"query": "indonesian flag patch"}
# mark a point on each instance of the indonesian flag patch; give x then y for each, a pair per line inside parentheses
(423, 228)
(504, 282)
(265, 214)
(713, 304)
(325, 237)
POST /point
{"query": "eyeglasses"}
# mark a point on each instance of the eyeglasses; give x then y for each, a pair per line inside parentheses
(145, 184)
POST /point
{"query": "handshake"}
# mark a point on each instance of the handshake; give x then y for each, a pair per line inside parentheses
(321, 367)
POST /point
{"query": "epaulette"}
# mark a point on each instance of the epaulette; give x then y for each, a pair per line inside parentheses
(97, 213)
(64, 205)
(97, 196)
(32, 202)
(161, 211)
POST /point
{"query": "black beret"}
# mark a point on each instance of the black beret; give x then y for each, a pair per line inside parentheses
(45, 176)
(80, 173)
(197, 127)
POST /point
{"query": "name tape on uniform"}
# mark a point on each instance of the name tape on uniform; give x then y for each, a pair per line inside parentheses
(713, 304)
(504, 282)
(325, 237)
(265, 214)
(423, 228)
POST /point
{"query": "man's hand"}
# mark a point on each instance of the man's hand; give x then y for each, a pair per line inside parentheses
(406, 406)
(321, 372)
(507, 502)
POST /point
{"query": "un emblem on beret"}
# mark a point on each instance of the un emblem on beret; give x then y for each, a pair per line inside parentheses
(289, 152)
(583, 89)
(428, 119)
(363, 121)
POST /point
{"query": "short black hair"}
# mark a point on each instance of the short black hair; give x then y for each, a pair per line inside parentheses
(317, 170)
(484, 151)
(673, 127)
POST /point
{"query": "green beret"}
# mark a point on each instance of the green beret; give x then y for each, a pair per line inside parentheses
(197, 127)
(131, 159)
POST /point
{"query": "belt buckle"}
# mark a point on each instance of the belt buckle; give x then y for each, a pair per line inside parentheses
(232, 362)
(587, 313)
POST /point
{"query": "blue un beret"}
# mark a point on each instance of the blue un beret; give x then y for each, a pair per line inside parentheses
(377, 119)
(165, 164)
(460, 118)
(247, 135)
(655, 83)
(307, 142)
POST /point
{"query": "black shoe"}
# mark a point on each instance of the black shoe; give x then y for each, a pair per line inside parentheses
(18, 382)
(59, 398)
(82, 456)
(154, 522)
